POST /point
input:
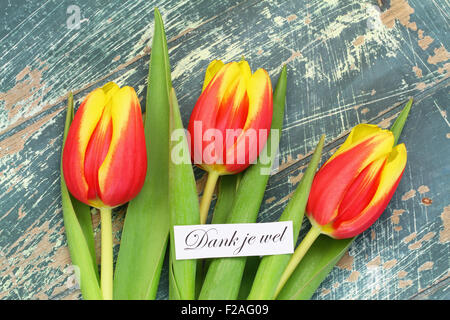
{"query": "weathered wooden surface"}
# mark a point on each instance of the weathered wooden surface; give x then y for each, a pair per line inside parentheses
(348, 62)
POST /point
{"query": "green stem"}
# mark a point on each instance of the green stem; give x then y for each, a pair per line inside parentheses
(299, 253)
(207, 195)
(106, 280)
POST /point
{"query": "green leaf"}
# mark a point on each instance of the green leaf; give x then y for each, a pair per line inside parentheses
(224, 275)
(225, 198)
(251, 267)
(146, 227)
(183, 204)
(326, 252)
(79, 233)
(271, 267)
(317, 263)
(83, 212)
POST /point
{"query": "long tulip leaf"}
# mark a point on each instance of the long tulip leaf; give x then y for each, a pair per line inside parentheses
(82, 210)
(326, 252)
(225, 198)
(183, 204)
(79, 233)
(146, 227)
(84, 215)
(271, 267)
(317, 263)
(224, 275)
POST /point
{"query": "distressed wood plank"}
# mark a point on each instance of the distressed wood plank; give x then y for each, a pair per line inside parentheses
(42, 57)
(348, 63)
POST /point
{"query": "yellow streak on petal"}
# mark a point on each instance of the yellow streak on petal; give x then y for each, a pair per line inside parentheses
(246, 72)
(93, 110)
(231, 73)
(257, 86)
(383, 139)
(395, 164)
(393, 168)
(121, 103)
(110, 89)
(211, 71)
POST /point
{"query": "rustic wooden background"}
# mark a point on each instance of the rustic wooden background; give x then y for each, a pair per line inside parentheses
(348, 62)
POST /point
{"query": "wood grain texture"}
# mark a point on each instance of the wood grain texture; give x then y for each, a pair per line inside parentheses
(348, 62)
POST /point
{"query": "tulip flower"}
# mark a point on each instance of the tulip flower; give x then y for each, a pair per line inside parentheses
(354, 186)
(352, 189)
(104, 159)
(229, 125)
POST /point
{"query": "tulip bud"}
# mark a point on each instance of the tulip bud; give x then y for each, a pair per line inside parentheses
(230, 122)
(352, 189)
(104, 157)
(231, 119)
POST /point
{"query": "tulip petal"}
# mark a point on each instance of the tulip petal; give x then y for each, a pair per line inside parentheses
(96, 152)
(216, 98)
(389, 180)
(232, 102)
(361, 191)
(204, 114)
(336, 176)
(78, 137)
(260, 100)
(211, 71)
(358, 134)
(246, 71)
(122, 173)
(110, 89)
(98, 146)
(253, 139)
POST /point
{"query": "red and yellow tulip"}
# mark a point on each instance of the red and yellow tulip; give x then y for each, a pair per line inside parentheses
(229, 125)
(352, 189)
(231, 119)
(104, 158)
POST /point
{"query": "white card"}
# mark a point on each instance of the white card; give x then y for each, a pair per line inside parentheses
(233, 240)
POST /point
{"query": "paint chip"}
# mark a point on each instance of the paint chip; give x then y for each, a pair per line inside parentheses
(307, 20)
(402, 274)
(374, 263)
(423, 189)
(292, 17)
(404, 283)
(440, 55)
(358, 41)
(417, 71)
(408, 195)
(426, 266)
(421, 86)
(389, 264)
(346, 262)
(399, 10)
(270, 200)
(395, 218)
(444, 235)
(425, 42)
(427, 201)
(353, 277)
(410, 237)
(418, 244)
(295, 179)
